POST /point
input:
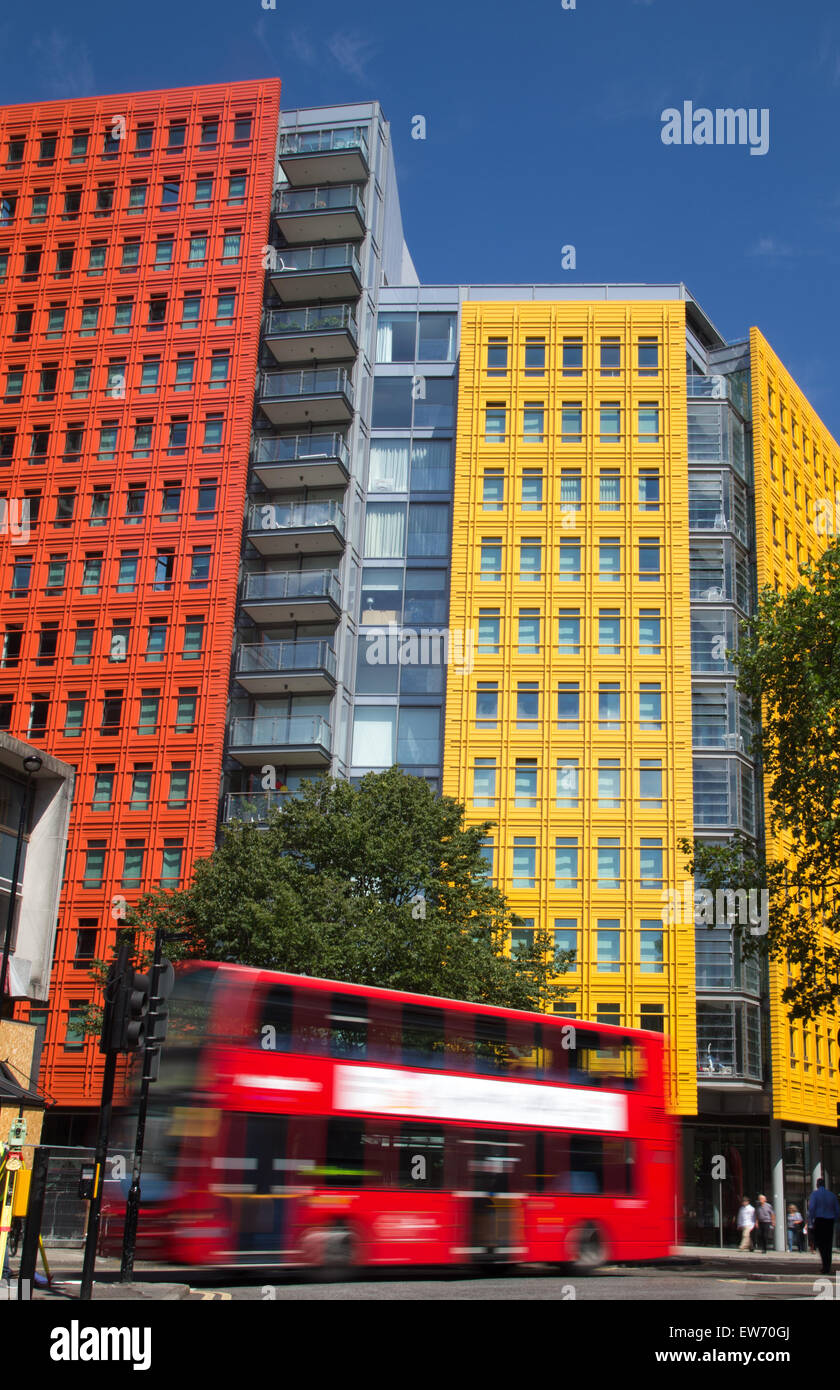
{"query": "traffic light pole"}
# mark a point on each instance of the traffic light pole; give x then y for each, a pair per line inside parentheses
(132, 1206)
(101, 1155)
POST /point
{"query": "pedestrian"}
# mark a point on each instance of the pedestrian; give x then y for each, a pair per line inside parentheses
(823, 1211)
(746, 1221)
(795, 1223)
(765, 1222)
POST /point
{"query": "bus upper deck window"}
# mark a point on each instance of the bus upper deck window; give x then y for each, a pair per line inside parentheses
(274, 1023)
(348, 1020)
(422, 1036)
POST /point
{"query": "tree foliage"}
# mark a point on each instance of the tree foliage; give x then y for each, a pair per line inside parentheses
(380, 884)
(789, 670)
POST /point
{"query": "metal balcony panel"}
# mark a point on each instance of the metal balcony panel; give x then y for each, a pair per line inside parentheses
(285, 668)
(303, 460)
(295, 596)
(295, 741)
(312, 334)
(333, 213)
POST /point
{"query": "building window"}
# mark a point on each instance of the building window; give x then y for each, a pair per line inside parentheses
(200, 569)
(528, 623)
(74, 1036)
(570, 561)
(649, 490)
(179, 785)
(491, 559)
(565, 862)
(648, 357)
(111, 712)
(85, 952)
(650, 863)
(609, 862)
(497, 356)
(83, 649)
(651, 954)
(571, 490)
(609, 632)
(74, 717)
(185, 712)
(649, 558)
(608, 946)
(568, 784)
(568, 632)
(530, 559)
(566, 940)
(141, 787)
(132, 871)
(650, 632)
(149, 711)
(525, 783)
(571, 422)
(609, 784)
(103, 789)
(527, 704)
(156, 639)
(652, 1017)
(609, 705)
(484, 782)
(610, 427)
(650, 705)
(610, 357)
(532, 490)
(568, 705)
(489, 631)
(533, 423)
(535, 356)
(573, 357)
(193, 639)
(648, 422)
(172, 858)
(94, 871)
(127, 572)
(493, 491)
(609, 560)
(487, 704)
(495, 424)
(524, 873)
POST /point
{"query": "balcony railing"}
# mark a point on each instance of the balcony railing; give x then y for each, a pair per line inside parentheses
(318, 381)
(280, 658)
(336, 318)
(277, 731)
(303, 448)
(710, 388)
(253, 807)
(289, 516)
(332, 198)
(300, 260)
(323, 141)
(292, 584)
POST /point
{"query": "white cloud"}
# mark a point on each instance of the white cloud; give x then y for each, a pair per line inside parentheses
(352, 53)
(771, 248)
(63, 65)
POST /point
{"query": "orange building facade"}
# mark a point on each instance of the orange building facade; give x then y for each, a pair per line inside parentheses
(132, 231)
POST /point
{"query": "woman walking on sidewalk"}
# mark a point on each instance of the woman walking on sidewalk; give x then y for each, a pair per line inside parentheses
(795, 1223)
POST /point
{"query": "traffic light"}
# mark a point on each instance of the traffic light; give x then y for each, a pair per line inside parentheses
(158, 1019)
(110, 1039)
(133, 1030)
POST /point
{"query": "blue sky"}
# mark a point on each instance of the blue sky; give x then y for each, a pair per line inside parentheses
(543, 128)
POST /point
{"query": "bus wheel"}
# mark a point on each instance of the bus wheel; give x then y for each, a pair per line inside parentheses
(588, 1247)
(330, 1253)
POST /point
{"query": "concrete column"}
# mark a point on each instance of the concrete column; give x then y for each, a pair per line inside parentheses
(777, 1183)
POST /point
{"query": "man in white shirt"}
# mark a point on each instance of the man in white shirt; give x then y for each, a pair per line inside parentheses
(746, 1221)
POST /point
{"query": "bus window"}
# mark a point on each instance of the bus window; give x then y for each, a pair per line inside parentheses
(494, 1161)
(460, 1044)
(583, 1057)
(344, 1164)
(421, 1158)
(491, 1053)
(274, 1019)
(380, 1154)
(384, 1031)
(348, 1026)
(311, 1027)
(422, 1036)
(190, 1005)
(587, 1164)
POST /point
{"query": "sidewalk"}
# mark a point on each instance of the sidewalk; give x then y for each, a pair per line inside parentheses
(774, 1264)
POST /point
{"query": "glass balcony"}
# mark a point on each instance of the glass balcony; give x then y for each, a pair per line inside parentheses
(292, 528)
(728, 1042)
(294, 740)
(325, 156)
(302, 273)
(724, 795)
(305, 596)
(286, 668)
(323, 332)
(306, 460)
(252, 808)
(328, 213)
(710, 388)
(319, 396)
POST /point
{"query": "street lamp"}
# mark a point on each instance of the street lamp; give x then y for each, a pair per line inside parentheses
(31, 764)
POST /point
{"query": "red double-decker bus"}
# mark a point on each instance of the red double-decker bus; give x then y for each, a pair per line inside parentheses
(303, 1122)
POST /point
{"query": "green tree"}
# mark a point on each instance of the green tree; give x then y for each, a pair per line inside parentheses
(789, 669)
(381, 884)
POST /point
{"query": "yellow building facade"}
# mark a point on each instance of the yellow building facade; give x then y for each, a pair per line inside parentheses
(572, 730)
(796, 465)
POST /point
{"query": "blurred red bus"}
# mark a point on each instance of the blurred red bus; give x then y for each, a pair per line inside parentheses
(304, 1122)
